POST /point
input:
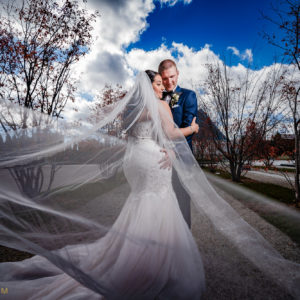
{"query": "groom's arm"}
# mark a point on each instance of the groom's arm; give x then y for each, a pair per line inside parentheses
(190, 108)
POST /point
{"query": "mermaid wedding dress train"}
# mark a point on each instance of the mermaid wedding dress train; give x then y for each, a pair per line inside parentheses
(165, 264)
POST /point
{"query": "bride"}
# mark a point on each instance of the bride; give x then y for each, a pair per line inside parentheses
(149, 252)
(88, 249)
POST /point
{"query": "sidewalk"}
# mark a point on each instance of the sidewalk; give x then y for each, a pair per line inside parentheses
(228, 274)
(270, 177)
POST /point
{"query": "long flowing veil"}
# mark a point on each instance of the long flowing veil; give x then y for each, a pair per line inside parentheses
(62, 187)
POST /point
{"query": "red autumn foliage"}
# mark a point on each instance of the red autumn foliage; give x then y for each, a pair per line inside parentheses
(40, 42)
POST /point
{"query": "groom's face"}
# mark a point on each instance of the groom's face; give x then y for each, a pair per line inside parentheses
(169, 78)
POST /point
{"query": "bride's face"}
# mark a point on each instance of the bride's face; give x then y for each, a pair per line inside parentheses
(158, 86)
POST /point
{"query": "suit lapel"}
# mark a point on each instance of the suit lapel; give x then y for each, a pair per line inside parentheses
(177, 90)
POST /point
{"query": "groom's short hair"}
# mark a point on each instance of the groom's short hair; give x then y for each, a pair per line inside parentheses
(166, 64)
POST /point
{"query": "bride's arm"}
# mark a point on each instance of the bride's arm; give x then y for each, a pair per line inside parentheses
(168, 123)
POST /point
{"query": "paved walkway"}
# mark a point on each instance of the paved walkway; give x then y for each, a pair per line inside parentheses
(228, 274)
(270, 177)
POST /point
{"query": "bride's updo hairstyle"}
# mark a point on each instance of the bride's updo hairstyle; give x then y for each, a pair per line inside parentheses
(151, 74)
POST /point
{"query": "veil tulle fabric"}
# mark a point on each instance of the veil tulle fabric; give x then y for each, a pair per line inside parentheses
(62, 188)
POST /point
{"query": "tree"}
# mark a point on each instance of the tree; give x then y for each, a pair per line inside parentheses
(244, 107)
(40, 42)
(108, 96)
(106, 101)
(204, 147)
(268, 153)
(285, 146)
(287, 20)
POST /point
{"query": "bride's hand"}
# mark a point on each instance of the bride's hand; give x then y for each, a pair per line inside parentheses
(166, 161)
(194, 126)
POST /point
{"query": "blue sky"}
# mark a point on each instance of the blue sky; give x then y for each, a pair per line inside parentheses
(135, 35)
(218, 23)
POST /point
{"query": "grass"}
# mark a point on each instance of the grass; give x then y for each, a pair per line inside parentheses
(70, 200)
(288, 170)
(278, 193)
(75, 198)
(290, 226)
(9, 254)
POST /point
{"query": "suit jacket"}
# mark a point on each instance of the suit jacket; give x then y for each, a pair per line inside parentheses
(185, 110)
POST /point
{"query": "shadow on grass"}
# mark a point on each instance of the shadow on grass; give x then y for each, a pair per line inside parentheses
(81, 199)
(278, 214)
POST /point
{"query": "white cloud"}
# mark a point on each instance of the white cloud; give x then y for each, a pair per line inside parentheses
(121, 23)
(234, 50)
(246, 55)
(77, 111)
(139, 59)
(192, 67)
(173, 2)
(190, 62)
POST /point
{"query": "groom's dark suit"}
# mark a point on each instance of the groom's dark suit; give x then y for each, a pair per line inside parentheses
(183, 113)
(185, 110)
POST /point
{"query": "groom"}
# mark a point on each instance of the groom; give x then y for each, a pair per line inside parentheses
(184, 110)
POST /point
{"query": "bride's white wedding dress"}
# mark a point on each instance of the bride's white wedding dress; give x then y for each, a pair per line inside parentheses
(149, 253)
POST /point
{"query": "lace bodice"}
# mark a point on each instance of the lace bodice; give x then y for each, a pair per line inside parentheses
(143, 130)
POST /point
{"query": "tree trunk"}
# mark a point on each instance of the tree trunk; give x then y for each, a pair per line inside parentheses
(235, 171)
(297, 165)
(239, 172)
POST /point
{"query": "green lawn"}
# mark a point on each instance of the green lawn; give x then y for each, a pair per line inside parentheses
(289, 170)
(274, 191)
(73, 200)
(289, 225)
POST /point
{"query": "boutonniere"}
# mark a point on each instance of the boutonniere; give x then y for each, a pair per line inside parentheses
(175, 99)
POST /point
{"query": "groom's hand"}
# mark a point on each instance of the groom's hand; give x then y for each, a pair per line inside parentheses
(166, 162)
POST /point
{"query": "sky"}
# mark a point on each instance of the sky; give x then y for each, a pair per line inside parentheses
(135, 35)
(221, 24)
